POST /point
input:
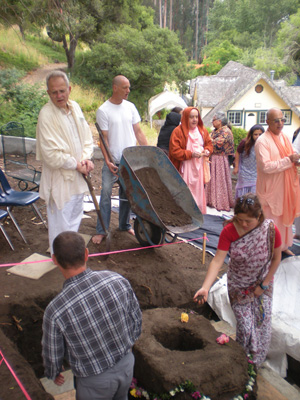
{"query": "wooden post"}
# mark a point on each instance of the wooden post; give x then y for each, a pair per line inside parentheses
(204, 248)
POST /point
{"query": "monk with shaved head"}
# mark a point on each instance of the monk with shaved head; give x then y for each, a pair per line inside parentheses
(119, 121)
(277, 182)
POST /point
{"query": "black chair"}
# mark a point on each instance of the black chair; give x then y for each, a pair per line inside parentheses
(15, 156)
(3, 215)
(11, 198)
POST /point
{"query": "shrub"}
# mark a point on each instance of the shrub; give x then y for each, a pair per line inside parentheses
(20, 102)
(238, 135)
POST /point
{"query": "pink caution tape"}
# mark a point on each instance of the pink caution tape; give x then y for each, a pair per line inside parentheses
(15, 376)
(107, 253)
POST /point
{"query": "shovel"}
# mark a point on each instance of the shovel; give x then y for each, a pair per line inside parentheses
(104, 143)
(87, 178)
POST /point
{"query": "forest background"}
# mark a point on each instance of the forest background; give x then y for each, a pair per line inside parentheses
(150, 41)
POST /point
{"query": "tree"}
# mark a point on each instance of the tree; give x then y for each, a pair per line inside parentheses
(267, 59)
(16, 12)
(74, 21)
(148, 58)
(218, 57)
(288, 41)
(70, 21)
(188, 18)
(259, 18)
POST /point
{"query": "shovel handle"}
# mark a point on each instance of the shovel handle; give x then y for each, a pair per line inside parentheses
(103, 142)
(87, 178)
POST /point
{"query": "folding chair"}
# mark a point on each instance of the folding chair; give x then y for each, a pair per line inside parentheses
(4, 214)
(12, 198)
(15, 156)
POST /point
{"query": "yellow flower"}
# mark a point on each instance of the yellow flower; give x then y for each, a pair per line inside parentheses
(133, 393)
(184, 317)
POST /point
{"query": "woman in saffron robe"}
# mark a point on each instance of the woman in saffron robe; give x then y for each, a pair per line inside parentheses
(254, 244)
(190, 146)
(219, 189)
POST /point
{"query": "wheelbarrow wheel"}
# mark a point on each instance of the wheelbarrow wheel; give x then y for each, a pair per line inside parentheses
(154, 232)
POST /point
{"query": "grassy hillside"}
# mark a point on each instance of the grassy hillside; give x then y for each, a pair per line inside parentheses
(22, 102)
(28, 54)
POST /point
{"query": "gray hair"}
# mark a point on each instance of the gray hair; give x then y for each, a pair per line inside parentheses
(57, 74)
(221, 116)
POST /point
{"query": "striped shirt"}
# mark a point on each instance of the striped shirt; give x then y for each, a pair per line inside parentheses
(93, 322)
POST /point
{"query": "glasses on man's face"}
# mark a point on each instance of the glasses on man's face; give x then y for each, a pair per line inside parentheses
(278, 120)
(248, 201)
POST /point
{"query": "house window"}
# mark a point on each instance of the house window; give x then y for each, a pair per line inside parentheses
(259, 88)
(235, 117)
(287, 114)
(262, 117)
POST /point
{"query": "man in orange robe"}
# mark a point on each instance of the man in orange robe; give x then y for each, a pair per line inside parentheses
(277, 182)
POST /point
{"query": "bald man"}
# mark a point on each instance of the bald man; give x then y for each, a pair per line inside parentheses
(119, 121)
(277, 182)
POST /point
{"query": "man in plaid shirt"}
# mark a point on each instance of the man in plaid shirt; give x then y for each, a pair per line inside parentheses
(93, 322)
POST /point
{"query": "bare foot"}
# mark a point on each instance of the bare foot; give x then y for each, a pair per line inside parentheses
(288, 252)
(131, 232)
(97, 239)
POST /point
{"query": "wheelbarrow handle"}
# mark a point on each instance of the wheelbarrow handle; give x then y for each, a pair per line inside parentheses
(103, 142)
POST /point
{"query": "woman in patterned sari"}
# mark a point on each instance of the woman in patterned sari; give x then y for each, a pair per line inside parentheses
(254, 244)
(219, 189)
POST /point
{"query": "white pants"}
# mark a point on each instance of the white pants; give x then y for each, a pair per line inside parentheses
(66, 219)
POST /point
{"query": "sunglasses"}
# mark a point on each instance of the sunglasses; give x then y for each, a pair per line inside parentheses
(277, 120)
(248, 201)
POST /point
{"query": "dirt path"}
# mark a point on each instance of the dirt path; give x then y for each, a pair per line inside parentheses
(39, 75)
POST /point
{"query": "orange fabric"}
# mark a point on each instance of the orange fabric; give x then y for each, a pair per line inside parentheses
(179, 137)
(291, 183)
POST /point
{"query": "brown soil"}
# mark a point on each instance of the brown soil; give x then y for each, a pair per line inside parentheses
(161, 277)
(163, 203)
(39, 75)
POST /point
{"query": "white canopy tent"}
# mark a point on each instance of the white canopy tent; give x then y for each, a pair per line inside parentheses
(162, 100)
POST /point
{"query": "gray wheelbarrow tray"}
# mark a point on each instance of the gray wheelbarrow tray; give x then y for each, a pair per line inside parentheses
(137, 157)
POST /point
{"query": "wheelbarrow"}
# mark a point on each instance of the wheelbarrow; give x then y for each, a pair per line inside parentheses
(148, 225)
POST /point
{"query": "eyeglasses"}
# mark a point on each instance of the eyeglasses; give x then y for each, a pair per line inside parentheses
(277, 120)
(248, 201)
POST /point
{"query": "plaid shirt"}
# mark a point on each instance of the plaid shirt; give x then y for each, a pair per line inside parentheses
(94, 322)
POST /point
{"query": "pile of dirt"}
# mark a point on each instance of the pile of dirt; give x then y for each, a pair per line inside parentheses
(162, 200)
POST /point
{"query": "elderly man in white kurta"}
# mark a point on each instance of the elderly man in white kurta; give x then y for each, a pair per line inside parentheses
(65, 147)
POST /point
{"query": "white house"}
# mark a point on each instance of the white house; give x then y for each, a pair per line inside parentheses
(246, 95)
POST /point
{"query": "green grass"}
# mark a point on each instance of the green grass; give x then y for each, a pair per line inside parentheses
(17, 53)
(8, 60)
(89, 100)
(150, 133)
(44, 45)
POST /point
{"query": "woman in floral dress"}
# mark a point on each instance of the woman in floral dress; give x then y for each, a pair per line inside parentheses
(219, 189)
(254, 244)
